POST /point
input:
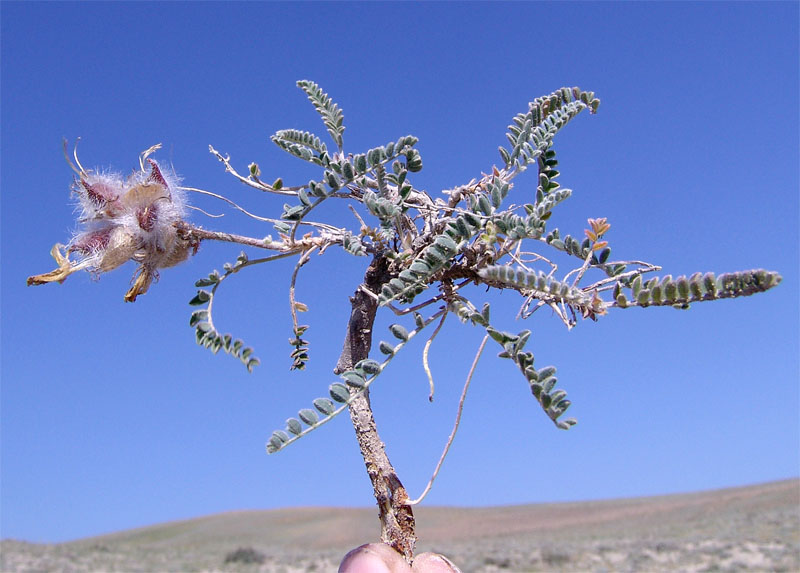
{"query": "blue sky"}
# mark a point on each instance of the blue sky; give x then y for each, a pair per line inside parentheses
(113, 418)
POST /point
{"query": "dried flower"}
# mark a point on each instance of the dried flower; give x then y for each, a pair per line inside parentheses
(124, 219)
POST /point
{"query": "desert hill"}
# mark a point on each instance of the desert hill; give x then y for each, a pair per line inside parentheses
(753, 528)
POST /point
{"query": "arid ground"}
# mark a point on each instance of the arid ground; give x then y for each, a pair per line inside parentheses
(754, 528)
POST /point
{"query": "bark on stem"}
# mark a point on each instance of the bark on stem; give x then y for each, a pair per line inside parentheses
(397, 519)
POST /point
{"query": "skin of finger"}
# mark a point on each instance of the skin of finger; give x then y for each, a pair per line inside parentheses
(380, 558)
(374, 558)
(432, 563)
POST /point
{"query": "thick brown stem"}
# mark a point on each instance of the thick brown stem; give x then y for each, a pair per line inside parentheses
(397, 519)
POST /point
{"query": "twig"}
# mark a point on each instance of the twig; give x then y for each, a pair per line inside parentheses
(360, 220)
(306, 212)
(425, 354)
(524, 313)
(291, 191)
(455, 426)
(235, 270)
(203, 234)
(582, 270)
(235, 206)
(438, 297)
(399, 311)
(292, 302)
(537, 257)
(322, 226)
(518, 260)
(646, 268)
(206, 213)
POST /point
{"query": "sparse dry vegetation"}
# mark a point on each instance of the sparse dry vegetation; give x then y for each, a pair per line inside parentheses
(755, 528)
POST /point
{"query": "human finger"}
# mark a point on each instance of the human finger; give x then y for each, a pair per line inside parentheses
(374, 558)
(433, 563)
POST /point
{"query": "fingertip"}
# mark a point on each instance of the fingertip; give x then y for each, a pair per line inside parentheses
(373, 558)
(433, 563)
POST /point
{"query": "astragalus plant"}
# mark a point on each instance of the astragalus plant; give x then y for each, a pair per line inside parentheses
(421, 253)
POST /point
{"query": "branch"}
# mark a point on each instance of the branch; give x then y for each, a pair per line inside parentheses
(397, 519)
(197, 234)
(188, 232)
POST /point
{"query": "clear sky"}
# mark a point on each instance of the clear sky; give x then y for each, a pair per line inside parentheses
(113, 418)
